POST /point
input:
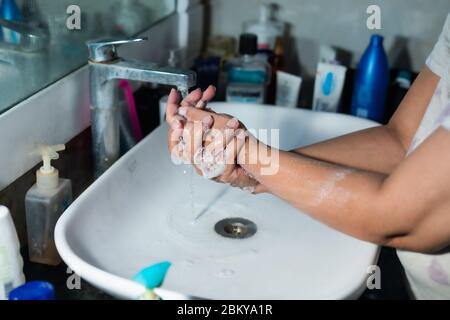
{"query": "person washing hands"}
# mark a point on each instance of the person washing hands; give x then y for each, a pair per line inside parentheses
(389, 185)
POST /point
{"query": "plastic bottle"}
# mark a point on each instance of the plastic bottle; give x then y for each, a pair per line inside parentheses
(9, 11)
(266, 29)
(44, 204)
(34, 290)
(11, 263)
(372, 77)
(276, 61)
(247, 75)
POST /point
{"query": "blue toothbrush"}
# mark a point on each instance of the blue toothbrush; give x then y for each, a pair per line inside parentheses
(152, 277)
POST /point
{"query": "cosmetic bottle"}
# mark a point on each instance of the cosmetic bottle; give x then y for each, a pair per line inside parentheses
(372, 77)
(247, 75)
(11, 263)
(266, 28)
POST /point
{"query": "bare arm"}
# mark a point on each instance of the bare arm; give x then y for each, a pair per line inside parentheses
(362, 187)
(405, 203)
(362, 149)
(407, 209)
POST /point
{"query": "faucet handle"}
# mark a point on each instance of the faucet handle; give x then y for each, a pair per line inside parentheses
(102, 50)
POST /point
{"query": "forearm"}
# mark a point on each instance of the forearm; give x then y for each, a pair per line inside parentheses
(360, 150)
(389, 210)
(336, 195)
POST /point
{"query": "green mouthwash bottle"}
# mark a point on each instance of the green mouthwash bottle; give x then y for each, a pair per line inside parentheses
(247, 75)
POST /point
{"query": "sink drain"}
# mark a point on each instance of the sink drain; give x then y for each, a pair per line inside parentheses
(235, 228)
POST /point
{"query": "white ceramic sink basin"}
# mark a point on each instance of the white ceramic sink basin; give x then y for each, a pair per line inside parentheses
(139, 213)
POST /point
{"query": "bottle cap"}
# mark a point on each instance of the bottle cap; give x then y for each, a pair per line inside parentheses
(265, 12)
(404, 79)
(34, 290)
(248, 44)
(47, 177)
(377, 39)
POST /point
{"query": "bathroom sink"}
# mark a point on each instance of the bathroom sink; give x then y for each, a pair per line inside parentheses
(141, 212)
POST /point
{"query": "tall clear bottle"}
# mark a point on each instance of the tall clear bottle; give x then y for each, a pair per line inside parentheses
(44, 204)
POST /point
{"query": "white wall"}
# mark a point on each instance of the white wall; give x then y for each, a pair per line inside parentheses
(342, 23)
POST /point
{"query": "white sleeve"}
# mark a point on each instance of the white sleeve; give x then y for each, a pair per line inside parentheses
(446, 118)
(439, 58)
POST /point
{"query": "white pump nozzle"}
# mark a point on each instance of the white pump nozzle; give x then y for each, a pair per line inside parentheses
(265, 14)
(49, 153)
(47, 176)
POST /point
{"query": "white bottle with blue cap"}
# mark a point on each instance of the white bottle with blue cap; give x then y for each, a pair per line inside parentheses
(11, 263)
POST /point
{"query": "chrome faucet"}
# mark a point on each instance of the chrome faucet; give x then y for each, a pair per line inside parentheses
(106, 68)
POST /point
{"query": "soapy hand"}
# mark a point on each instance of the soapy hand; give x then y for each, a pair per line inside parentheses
(211, 141)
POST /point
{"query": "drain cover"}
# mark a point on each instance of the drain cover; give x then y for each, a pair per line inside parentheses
(235, 228)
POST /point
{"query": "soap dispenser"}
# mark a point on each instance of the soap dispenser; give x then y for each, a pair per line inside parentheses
(266, 28)
(44, 204)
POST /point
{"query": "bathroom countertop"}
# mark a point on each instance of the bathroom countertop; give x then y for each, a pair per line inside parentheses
(58, 276)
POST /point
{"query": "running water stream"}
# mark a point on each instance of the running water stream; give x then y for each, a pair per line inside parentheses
(184, 93)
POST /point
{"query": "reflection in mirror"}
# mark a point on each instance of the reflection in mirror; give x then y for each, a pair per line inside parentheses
(43, 40)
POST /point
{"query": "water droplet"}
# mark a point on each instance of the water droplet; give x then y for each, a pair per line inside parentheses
(225, 273)
(188, 263)
(183, 91)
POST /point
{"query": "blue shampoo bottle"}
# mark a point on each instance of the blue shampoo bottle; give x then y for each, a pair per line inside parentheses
(9, 11)
(372, 78)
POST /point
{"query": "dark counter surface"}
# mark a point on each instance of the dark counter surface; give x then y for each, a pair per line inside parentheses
(59, 276)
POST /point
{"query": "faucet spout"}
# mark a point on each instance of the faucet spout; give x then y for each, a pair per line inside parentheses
(151, 72)
(106, 68)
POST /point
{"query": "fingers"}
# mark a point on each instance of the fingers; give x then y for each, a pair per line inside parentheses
(232, 150)
(207, 96)
(192, 137)
(188, 141)
(192, 98)
(172, 105)
(196, 98)
(175, 133)
(193, 114)
(222, 139)
(199, 135)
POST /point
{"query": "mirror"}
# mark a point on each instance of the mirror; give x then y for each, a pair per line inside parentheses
(41, 41)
